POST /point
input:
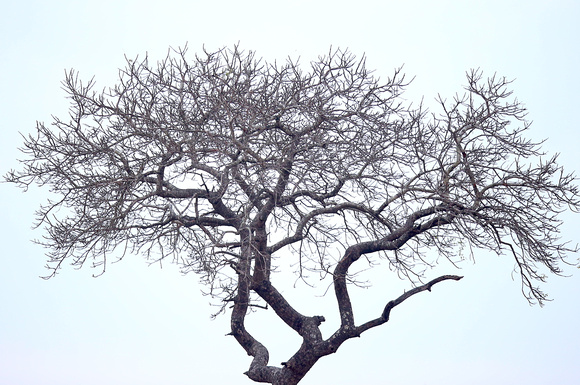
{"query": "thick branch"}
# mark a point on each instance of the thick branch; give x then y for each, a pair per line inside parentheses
(259, 371)
(394, 241)
(307, 327)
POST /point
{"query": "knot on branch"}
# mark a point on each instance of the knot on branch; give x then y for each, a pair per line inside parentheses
(318, 319)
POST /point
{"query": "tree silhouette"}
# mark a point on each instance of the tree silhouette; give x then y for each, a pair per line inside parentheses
(228, 165)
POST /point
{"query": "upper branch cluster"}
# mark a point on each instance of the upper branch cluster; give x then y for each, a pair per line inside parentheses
(183, 157)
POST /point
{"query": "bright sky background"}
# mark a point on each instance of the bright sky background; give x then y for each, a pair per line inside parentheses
(144, 325)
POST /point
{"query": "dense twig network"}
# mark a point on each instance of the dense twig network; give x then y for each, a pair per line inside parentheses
(224, 162)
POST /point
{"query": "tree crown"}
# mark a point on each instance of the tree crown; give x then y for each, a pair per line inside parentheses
(225, 161)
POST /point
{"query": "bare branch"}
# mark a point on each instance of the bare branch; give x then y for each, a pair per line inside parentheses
(391, 304)
(228, 164)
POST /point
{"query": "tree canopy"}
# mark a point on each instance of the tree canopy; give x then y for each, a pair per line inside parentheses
(230, 165)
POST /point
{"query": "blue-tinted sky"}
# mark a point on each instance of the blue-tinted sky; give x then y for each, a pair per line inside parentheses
(140, 324)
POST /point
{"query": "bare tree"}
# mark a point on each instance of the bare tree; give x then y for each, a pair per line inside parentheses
(228, 165)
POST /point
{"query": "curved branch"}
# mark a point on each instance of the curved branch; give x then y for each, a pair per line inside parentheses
(393, 241)
(391, 304)
(259, 370)
(302, 224)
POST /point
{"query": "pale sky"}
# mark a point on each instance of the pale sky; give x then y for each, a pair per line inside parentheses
(142, 325)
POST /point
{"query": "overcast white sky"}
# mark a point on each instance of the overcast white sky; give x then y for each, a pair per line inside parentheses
(143, 325)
